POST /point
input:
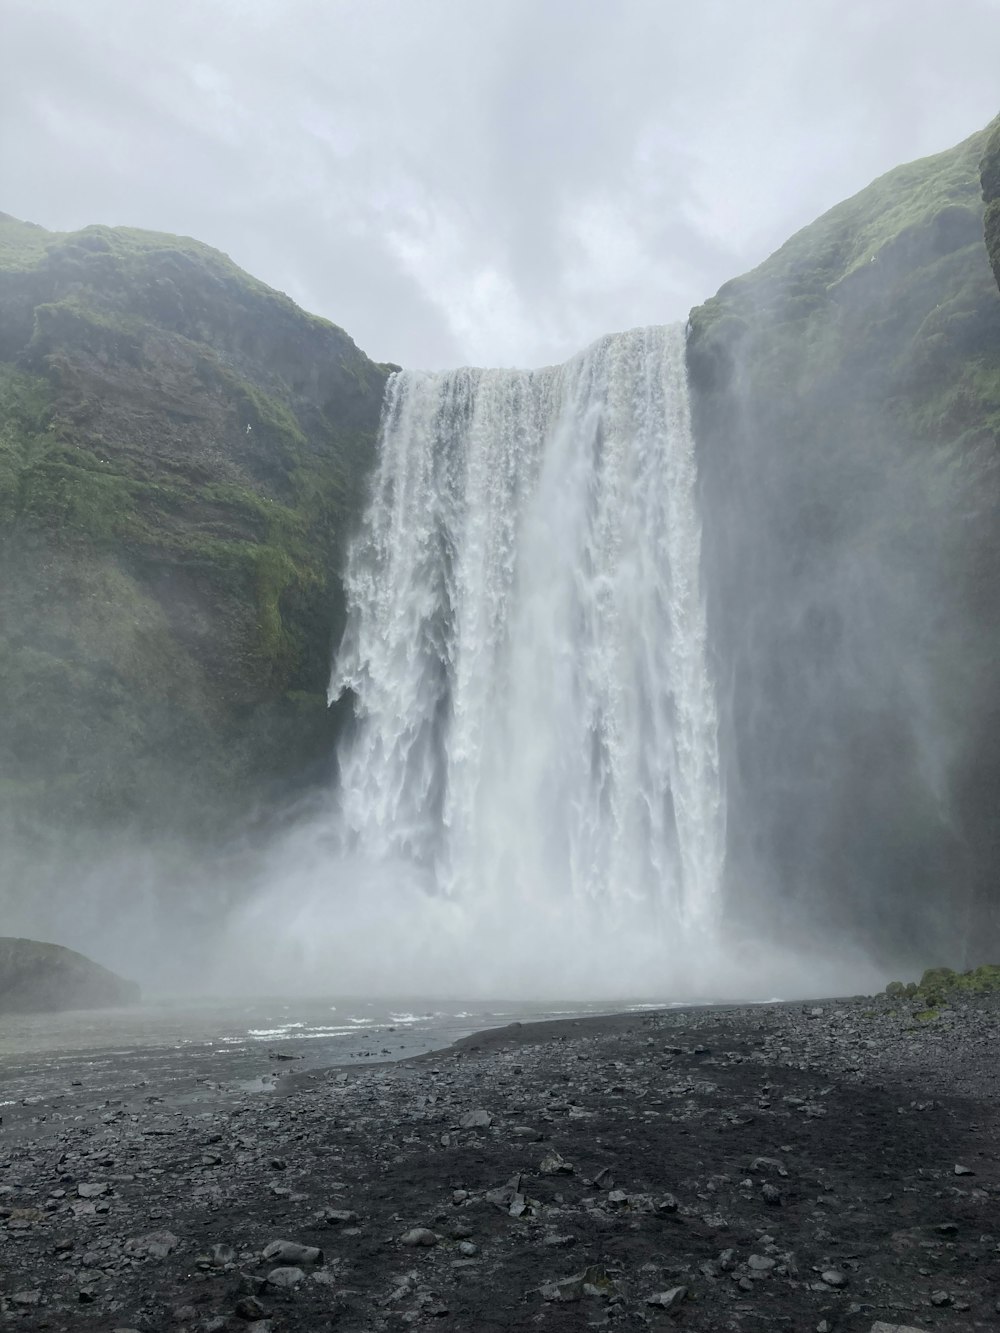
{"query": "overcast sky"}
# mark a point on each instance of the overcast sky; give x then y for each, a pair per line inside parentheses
(485, 181)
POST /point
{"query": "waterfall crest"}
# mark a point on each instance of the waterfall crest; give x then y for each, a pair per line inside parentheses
(536, 723)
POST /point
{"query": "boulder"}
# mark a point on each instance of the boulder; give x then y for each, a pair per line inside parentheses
(44, 978)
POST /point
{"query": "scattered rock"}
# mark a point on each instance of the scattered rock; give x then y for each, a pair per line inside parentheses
(418, 1236)
(668, 1300)
(479, 1119)
(285, 1276)
(94, 1189)
(290, 1252)
(156, 1245)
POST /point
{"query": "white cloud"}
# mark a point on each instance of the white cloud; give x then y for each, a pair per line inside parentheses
(455, 181)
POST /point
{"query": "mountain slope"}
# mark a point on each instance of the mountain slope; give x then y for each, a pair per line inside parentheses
(182, 451)
(847, 404)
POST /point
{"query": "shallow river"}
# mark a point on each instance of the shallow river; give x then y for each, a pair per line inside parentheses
(180, 1046)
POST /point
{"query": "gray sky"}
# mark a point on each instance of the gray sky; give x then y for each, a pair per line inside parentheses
(486, 181)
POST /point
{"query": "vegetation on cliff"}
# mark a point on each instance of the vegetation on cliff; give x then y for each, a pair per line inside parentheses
(989, 175)
(182, 452)
(847, 410)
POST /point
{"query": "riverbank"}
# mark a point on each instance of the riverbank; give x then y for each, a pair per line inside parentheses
(790, 1166)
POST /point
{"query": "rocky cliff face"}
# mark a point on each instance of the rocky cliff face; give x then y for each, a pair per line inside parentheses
(989, 174)
(182, 451)
(847, 402)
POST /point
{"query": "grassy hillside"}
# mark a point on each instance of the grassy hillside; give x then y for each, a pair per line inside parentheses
(182, 452)
(847, 404)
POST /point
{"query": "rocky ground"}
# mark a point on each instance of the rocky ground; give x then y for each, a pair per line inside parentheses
(820, 1167)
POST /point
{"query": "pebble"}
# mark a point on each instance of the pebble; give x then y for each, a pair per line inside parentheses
(290, 1252)
(834, 1278)
(285, 1276)
(156, 1245)
(479, 1119)
(668, 1300)
(94, 1189)
(418, 1236)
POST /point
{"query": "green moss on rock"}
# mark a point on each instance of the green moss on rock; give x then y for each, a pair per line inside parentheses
(989, 175)
(182, 455)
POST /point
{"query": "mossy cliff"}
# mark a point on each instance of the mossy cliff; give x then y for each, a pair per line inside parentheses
(989, 173)
(847, 410)
(182, 452)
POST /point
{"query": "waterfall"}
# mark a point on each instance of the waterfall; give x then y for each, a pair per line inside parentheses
(536, 728)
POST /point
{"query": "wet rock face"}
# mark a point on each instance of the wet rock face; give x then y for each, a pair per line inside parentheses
(44, 978)
(183, 454)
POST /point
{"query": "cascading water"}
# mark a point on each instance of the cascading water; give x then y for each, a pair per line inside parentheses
(536, 736)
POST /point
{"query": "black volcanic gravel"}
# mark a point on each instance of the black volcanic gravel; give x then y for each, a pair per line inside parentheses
(802, 1167)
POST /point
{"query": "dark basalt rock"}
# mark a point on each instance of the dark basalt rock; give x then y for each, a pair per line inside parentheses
(43, 978)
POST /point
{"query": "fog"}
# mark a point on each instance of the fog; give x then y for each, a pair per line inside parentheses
(783, 652)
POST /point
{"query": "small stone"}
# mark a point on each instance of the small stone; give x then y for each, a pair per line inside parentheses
(567, 1289)
(466, 1248)
(222, 1254)
(772, 1195)
(479, 1119)
(964, 1171)
(339, 1216)
(880, 1327)
(27, 1298)
(94, 1189)
(667, 1204)
(760, 1263)
(617, 1198)
(250, 1308)
(156, 1245)
(554, 1165)
(418, 1236)
(290, 1252)
(940, 1298)
(286, 1276)
(834, 1278)
(668, 1300)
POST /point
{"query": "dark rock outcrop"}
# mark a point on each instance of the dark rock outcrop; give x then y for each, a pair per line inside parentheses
(44, 978)
(182, 452)
(847, 409)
